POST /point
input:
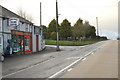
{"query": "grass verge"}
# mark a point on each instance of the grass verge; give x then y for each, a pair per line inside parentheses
(70, 43)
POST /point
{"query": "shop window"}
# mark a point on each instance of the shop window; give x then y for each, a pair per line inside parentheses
(27, 43)
(20, 43)
(0, 24)
(7, 20)
(0, 44)
(0, 40)
(16, 43)
(27, 27)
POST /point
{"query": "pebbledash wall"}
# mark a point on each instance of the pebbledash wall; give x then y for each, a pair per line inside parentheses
(25, 38)
(1, 37)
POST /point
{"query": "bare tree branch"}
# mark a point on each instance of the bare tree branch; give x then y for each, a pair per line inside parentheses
(24, 14)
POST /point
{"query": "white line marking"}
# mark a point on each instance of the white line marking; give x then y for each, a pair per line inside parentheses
(67, 67)
(83, 59)
(72, 58)
(92, 53)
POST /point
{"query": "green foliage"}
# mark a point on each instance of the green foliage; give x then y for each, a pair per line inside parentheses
(52, 29)
(83, 31)
(53, 35)
(77, 31)
(79, 23)
(52, 26)
(65, 30)
(45, 32)
(80, 30)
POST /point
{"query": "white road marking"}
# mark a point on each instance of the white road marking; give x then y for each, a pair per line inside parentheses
(83, 59)
(67, 67)
(72, 58)
(92, 53)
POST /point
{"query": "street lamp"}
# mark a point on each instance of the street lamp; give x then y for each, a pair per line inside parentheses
(97, 26)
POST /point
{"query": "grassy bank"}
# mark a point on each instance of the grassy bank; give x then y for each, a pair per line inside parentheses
(70, 43)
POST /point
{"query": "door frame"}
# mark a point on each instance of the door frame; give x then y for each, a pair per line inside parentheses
(37, 43)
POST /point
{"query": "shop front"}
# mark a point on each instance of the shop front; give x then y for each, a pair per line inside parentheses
(21, 42)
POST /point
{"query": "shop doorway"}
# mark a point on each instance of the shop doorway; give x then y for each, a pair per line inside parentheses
(37, 43)
(21, 45)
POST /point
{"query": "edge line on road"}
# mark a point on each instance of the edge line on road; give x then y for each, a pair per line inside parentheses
(69, 66)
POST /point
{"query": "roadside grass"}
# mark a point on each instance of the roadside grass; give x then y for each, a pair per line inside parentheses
(70, 43)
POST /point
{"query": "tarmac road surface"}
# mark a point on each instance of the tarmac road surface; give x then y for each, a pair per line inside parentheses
(49, 63)
(101, 64)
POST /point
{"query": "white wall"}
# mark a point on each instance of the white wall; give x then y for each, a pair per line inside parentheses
(0, 24)
(5, 26)
(6, 37)
(40, 44)
(1, 38)
(0, 10)
(33, 40)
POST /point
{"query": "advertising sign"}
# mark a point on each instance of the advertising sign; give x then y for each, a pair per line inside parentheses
(37, 30)
(13, 22)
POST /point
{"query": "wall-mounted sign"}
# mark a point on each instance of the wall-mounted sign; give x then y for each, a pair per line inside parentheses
(13, 22)
(37, 30)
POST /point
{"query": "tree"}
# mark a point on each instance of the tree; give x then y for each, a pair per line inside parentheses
(52, 26)
(79, 23)
(77, 31)
(65, 29)
(89, 30)
(45, 32)
(53, 35)
(24, 14)
(52, 29)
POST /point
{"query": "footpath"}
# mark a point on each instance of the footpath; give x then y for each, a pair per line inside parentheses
(101, 64)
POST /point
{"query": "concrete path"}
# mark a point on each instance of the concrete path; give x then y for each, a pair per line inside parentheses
(101, 64)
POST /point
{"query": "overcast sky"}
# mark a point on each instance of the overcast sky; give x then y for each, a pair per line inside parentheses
(105, 10)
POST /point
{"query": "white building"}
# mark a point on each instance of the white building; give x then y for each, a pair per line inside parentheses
(1, 38)
(24, 37)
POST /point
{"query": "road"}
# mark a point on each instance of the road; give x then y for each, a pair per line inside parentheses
(100, 64)
(49, 63)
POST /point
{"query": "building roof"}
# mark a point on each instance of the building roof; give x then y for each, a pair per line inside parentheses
(4, 12)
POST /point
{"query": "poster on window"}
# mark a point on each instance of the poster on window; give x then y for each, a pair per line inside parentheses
(27, 43)
(37, 30)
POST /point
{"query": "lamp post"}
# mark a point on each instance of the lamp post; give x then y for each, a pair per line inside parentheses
(58, 49)
(97, 26)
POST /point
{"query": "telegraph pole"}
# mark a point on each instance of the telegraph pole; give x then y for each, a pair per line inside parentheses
(40, 15)
(97, 26)
(58, 49)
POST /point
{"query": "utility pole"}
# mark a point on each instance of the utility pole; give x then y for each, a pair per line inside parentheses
(97, 26)
(58, 49)
(40, 15)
